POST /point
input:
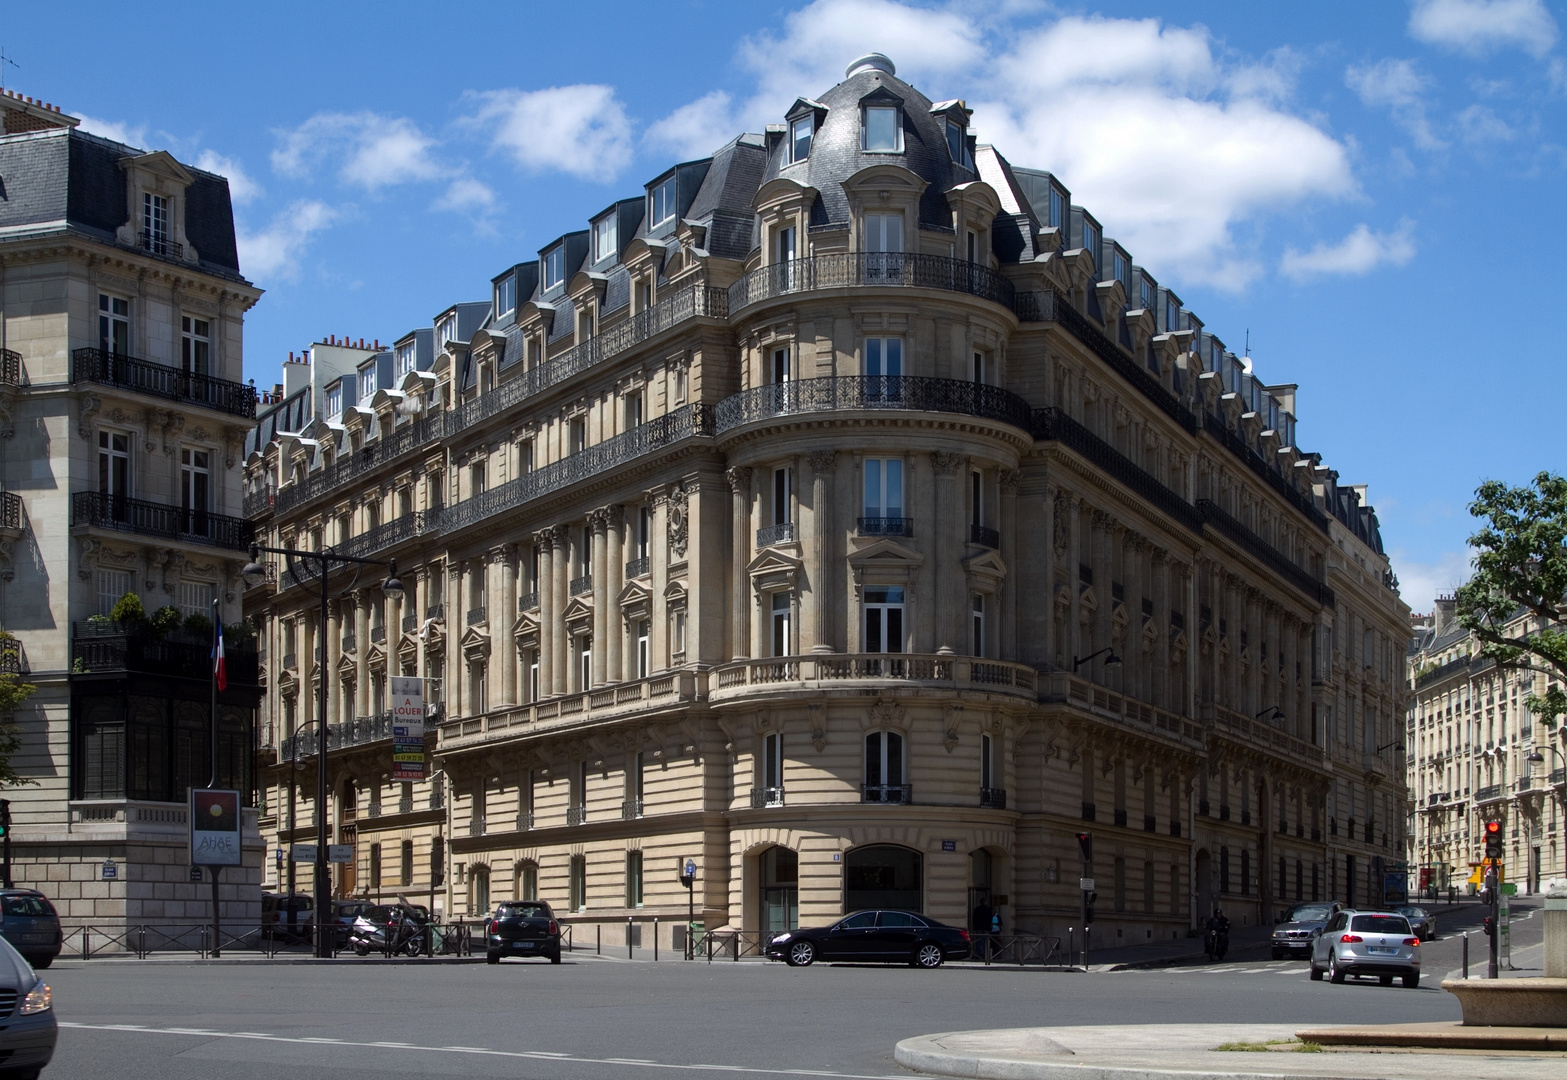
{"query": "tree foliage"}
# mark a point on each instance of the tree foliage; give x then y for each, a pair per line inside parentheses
(1514, 603)
(13, 692)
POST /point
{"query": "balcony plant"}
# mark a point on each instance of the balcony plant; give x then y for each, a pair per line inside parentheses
(13, 692)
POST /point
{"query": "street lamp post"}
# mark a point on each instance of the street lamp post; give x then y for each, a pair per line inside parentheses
(324, 561)
(1535, 758)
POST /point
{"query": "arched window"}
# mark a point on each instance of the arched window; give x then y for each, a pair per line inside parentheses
(883, 876)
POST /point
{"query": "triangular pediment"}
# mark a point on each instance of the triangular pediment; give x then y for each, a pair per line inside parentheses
(1088, 598)
(345, 665)
(634, 593)
(475, 642)
(988, 561)
(885, 551)
(376, 657)
(162, 163)
(771, 560)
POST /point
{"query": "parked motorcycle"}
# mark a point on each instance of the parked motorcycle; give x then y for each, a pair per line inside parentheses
(391, 930)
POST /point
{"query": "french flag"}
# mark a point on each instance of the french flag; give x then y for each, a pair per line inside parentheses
(220, 671)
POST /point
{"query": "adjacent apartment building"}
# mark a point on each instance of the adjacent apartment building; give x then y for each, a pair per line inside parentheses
(122, 428)
(1476, 754)
(848, 513)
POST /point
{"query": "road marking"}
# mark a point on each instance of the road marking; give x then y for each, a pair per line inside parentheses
(545, 1054)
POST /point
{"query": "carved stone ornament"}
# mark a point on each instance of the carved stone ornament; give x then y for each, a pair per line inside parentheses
(946, 462)
(1061, 538)
(822, 461)
(677, 529)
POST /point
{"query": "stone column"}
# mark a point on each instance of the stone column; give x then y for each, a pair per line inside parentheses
(1291, 685)
(1003, 620)
(740, 590)
(1255, 647)
(1034, 623)
(658, 578)
(598, 525)
(503, 646)
(615, 570)
(330, 652)
(560, 541)
(814, 601)
(949, 528)
(1104, 592)
(545, 542)
(421, 600)
(1161, 618)
(1134, 669)
(1071, 513)
(361, 653)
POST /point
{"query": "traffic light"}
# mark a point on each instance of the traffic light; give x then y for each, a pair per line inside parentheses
(1490, 926)
(1085, 841)
(1088, 908)
(5, 818)
(1493, 839)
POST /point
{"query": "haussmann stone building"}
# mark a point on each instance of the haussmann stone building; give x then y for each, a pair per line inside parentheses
(848, 513)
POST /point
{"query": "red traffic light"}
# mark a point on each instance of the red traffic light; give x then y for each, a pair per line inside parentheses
(1493, 828)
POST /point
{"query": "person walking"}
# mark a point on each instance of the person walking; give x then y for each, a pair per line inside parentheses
(979, 924)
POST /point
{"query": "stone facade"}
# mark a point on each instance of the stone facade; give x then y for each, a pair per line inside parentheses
(121, 330)
(860, 524)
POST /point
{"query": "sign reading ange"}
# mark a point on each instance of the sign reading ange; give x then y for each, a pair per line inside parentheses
(214, 828)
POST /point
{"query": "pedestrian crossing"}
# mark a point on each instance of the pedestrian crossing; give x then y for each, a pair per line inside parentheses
(1296, 968)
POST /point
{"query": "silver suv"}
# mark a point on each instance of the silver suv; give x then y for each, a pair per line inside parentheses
(1364, 943)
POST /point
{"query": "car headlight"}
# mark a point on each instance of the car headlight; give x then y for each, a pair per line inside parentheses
(39, 999)
(778, 939)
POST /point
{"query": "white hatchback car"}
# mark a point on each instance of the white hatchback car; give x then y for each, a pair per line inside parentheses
(1364, 943)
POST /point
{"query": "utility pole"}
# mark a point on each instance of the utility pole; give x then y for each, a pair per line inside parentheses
(1085, 884)
(5, 830)
(1493, 894)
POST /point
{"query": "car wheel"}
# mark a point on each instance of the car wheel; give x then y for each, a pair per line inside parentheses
(22, 1074)
(1385, 980)
(40, 962)
(362, 949)
(1316, 973)
(1278, 954)
(492, 958)
(1412, 982)
(927, 955)
(554, 957)
(801, 954)
(1335, 973)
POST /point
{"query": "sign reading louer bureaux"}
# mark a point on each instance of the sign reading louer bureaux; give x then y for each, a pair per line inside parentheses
(214, 827)
(407, 728)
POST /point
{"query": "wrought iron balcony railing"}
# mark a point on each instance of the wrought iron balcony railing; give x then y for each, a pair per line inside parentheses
(886, 526)
(686, 422)
(576, 815)
(847, 393)
(387, 448)
(94, 509)
(689, 303)
(357, 732)
(10, 510)
(1488, 793)
(350, 643)
(476, 825)
(782, 533)
(475, 616)
(13, 657)
(10, 367)
(528, 601)
(581, 586)
(410, 623)
(636, 568)
(1052, 424)
(378, 634)
(875, 269)
(984, 536)
(766, 796)
(631, 809)
(160, 380)
(993, 798)
(259, 502)
(1265, 552)
(112, 648)
(158, 243)
(435, 611)
(886, 793)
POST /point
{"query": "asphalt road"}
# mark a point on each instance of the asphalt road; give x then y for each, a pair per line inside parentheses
(591, 1018)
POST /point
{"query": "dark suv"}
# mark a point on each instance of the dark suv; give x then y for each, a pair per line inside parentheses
(29, 922)
(522, 928)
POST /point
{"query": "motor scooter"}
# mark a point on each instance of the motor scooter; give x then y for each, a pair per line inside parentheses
(403, 933)
(1216, 943)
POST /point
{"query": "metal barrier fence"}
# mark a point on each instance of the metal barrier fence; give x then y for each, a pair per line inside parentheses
(148, 939)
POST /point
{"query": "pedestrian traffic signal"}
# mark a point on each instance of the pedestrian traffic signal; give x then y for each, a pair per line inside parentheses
(1493, 839)
(1490, 926)
(1085, 841)
(5, 818)
(1088, 907)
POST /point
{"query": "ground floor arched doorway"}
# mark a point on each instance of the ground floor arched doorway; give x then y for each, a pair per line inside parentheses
(883, 876)
(779, 876)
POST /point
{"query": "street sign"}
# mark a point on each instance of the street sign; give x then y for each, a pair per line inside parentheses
(302, 853)
(197, 874)
(1086, 884)
(340, 853)
(214, 827)
(949, 845)
(108, 871)
(407, 728)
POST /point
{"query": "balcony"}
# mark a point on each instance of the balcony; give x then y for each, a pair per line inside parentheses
(782, 533)
(410, 623)
(350, 643)
(290, 661)
(1491, 793)
(259, 502)
(1051, 424)
(885, 526)
(871, 269)
(992, 798)
(436, 612)
(816, 672)
(525, 821)
(631, 809)
(11, 517)
(1264, 552)
(636, 568)
(576, 815)
(10, 368)
(856, 393)
(378, 634)
(476, 825)
(1123, 712)
(388, 448)
(681, 307)
(160, 380)
(405, 804)
(1558, 777)
(528, 601)
(984, 536)
(356, 732)
(113, 648)
(766, 796)
(13, 657)
(581, 586)
(666, 692)
(95, 510)
(158, 243)
(900, 794)
(475, 616)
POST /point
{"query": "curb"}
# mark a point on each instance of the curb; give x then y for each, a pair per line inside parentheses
(262, 961)
(923, 1055)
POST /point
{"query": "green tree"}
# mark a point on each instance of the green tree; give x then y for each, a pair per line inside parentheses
(1514, 603)
(13, 692)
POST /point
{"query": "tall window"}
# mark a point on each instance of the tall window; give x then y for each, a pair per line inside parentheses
(554, 267)
(1091, 238)
(800, 132)
(883, 618)
(195, 346)
(661, 202)
(644, 531)
(783, 488)
(772, 768)
(978, 610)
(881, 130)
(956, 143)
(505, 296)
(577, 898)
(155, 223)
(884, 487)
(195, 597)
(987, 753)
(584, 661)
(446, 331)
(979, 367)
(633, 879)
(1057, 209)
(636, 776)
(367, 383)
(405, 868)
(195, 480)
(408, 355)
(533, 674)
(634, 411)
(528, 883)
(114, 324)
(780, 370)
(884, 767)
(605, 231)
(114, 463)
(883, 233)
(112, 584)
(884, 357)
(375, 866)
(1123, 270)
(334, 401)
(644, 630)
(525, 457)
(976, 498)
(577, 435)
(971, 246)
(782, 604)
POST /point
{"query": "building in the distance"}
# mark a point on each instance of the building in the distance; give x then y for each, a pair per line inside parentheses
(848, 513)
(124, 419)
(1476, 754)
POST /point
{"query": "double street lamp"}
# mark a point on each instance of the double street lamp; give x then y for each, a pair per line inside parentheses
(322, 563)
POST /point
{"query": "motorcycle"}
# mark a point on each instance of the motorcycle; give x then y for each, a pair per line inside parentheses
(1216, 944)
(403, 932)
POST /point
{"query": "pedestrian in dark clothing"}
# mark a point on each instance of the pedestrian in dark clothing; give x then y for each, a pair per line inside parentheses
(983, 914)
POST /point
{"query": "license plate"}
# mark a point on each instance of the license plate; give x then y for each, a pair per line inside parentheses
(37, 939)
(522, 944)
(1383, 950)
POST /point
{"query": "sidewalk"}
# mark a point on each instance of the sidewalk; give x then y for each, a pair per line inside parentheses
(1189, 1052)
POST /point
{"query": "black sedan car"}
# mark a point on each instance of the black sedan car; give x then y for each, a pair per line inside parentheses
(27, 1026)
(892, 937)
(522, 928)
(1421, 921)
(29, 922)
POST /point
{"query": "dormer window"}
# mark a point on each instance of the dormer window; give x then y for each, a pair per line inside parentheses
(155, 223)
(800, 133)
(1123, 270)
(881, 130)
(367, 383)
(1145, 295)
(408, 356)
(334, 401)
(446, 330)
(605, 235)
(1057, 209)
(505, 295)
(554, 267)
(1091, 238)
(957, 142)
(661, 202)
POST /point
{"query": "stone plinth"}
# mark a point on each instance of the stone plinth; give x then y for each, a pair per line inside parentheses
(1511, 1002)
(1555, 915)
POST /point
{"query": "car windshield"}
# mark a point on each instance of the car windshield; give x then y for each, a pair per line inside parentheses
(522, 911)
(27, 905)
(380, 913)
(1380, 924)
(1310, 913)
(1412, 912)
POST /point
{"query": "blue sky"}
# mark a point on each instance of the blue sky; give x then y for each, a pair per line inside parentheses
(1366, 188)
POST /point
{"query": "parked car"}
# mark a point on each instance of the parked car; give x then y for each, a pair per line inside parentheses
(1367, 943)
(1421, 921)
(288, 916)
(344, 913)
(1294, 933)
(522, 928)
(32, 926)
(889, 936)
(28, 1035)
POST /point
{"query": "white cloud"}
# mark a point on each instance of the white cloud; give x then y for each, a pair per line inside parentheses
(1479, 125)
(121, 133)
(697, 127)
(1478, 27)
(242, 188)
(466, 194)
(275, 250)
(1420, 583)
(1398, 86)
(367, 150)
(581, 130)
(1358, 253)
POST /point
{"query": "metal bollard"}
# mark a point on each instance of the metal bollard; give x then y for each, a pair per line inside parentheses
(655, 937)
(598, 939)
(1466, 956)
(628, 938)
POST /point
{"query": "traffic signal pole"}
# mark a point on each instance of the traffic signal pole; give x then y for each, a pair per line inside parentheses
(1493, 895)
(5, 829)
